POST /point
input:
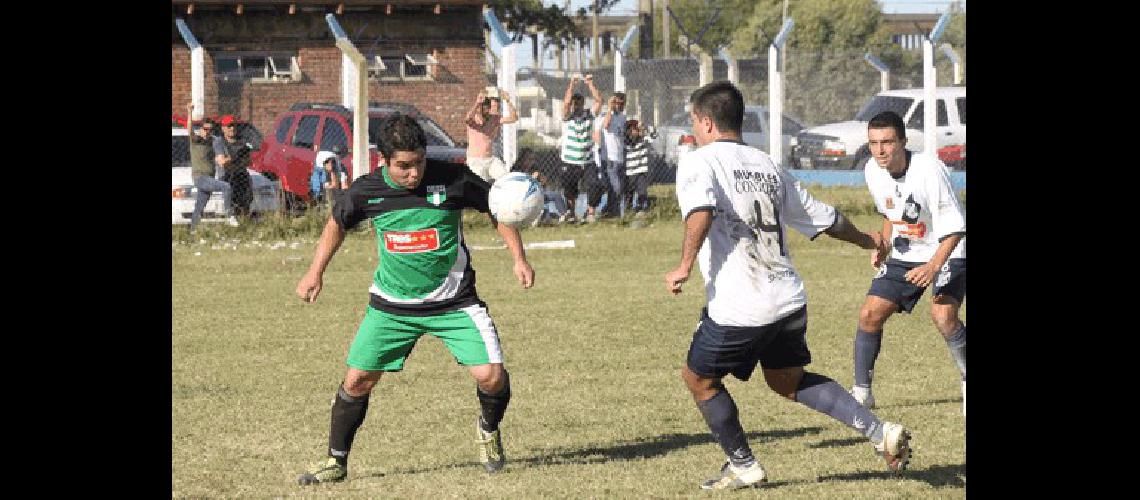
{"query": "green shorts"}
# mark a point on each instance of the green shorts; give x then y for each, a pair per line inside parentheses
(384, 340)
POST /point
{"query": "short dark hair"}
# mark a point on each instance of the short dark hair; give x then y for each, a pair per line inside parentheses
(400, 132)
(577, 97)
(889, 119)
(722, 102)
(620, 95)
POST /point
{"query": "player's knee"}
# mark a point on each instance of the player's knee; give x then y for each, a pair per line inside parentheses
(782, 388)
(945, 320)
(492, 379)
(872, 319)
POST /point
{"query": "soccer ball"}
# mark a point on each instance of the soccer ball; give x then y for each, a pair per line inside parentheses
(516, 199)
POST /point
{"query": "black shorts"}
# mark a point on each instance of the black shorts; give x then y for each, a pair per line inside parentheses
(891, 283)
(718, 350)
(569, 175)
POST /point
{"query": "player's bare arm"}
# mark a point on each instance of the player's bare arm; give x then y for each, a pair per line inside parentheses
(511, 237)
(595, 94)
(924, 275)
(474, 112)
(190, 121)
(310, 285)
(696, 228)
(844, 230)
(505, 99)
(568, 96)
(879, 255)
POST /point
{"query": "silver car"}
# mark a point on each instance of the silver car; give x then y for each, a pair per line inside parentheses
(266, 193)
(675, 136)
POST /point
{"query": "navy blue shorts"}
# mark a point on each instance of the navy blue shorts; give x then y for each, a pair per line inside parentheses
(891, 283)
(718, 350)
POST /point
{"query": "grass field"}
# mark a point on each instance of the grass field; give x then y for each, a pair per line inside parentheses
(594, 351)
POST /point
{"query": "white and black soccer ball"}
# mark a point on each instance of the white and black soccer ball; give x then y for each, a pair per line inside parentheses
(516, 199)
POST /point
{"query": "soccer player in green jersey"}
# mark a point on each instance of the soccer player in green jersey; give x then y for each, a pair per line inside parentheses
(423, 283)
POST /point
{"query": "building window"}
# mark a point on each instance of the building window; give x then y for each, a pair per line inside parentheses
(257, 67)
(402, 67)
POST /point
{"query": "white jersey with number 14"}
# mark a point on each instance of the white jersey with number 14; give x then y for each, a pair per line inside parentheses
(748, 272)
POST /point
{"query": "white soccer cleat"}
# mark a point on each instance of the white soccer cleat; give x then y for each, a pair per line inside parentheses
(895, 448)
(864, 396)
(732, 478)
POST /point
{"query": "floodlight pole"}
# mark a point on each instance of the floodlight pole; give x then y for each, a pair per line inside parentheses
(197, 70)
(929, 83)
(356, 71)
(506, 81)
(776, 95)
(619, 59)
(884, 70)
(733, 67)
(953, 56)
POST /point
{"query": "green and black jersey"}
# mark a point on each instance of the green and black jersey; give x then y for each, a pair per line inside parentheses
(425, 268)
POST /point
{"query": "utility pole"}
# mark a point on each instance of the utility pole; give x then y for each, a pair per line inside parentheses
(595, 61)
(665, 43)
(784, 47)
(645, 12)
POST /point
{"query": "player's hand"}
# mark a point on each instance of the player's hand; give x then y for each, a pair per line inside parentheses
(309, 287)
(674, 279)
(503, 95)
(479, 98)
(524, 273)
(190, 107)
(881, 251)
(922, 275)
(589, 79)
(573, 79)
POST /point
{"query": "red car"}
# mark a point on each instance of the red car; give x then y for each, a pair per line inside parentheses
(298, 134)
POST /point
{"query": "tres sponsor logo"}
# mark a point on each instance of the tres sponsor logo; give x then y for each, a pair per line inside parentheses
(411, 241)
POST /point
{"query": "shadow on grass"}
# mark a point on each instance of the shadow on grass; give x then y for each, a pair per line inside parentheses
(834, 443)
(642, 449)
(937, 476)
(929, 402)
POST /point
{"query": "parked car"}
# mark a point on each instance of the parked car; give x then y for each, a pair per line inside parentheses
(675, 137)
(843, 145)
(266, 195)
(307, 128)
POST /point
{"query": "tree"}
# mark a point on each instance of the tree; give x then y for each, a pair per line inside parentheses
(694, 14)
(554, 22)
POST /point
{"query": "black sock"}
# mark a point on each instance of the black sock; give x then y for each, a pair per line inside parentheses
(866, 351)
(723, 420)
(826, 396)
(493, 406)
(347, 415)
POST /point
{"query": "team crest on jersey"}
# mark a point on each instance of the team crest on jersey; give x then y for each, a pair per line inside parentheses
(411, 241)
(437, 193)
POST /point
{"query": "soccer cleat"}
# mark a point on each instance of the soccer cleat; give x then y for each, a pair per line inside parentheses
(325, 471)
(864, 396)
(490, 448)
(895, 448)
(732, 478)
(567, 216)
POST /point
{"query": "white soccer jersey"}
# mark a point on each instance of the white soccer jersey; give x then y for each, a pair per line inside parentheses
(921, 205)
(748, 272)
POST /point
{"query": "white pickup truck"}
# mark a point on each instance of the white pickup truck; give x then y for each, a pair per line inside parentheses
(842, 146)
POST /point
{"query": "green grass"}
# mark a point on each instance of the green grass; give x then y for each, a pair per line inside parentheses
(594, 350)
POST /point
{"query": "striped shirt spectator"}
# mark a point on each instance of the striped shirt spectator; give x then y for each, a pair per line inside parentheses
(637, 157)
(577, 138)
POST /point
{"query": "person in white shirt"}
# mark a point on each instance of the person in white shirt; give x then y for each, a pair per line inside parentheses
(740, 200)
(924, 227)
(609, 136)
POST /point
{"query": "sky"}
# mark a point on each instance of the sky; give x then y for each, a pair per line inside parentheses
(629, 7)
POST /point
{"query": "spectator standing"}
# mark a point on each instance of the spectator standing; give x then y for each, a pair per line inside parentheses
(609, 135)
(637, 167)
(328, 177)
(484, 121)
(232, 156)
(577, 142)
